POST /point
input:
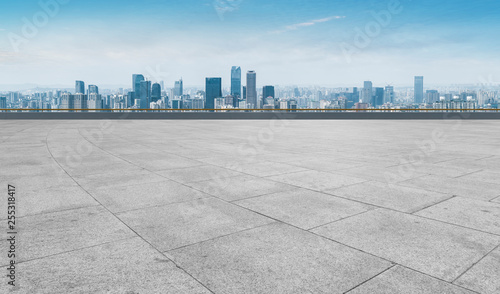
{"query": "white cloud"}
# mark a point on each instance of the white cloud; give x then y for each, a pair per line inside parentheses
(306, 24)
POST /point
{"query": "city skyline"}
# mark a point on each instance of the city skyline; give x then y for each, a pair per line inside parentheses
(288, 42)
(147, 95)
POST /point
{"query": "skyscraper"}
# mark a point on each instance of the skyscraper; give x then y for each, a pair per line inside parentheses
(419, 89)
(3, 102)
(79, 87)
(389, 94)
(178, 88)
(244, 93)
(378, 98)
(156, 92)
(67, 101)
(93, 89)
(236, 84)
(145, 94)
(94, 101)
(81, 101)
(268, 91)
(136, 84)
(268, 94)
(251, 89)
(213, 89)
(366, 95)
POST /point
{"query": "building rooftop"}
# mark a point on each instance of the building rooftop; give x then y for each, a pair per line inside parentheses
(269, 206)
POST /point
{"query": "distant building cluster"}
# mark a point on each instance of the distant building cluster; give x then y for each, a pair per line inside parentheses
(144, 94)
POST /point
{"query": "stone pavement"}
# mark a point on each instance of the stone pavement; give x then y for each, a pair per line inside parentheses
(253, 206)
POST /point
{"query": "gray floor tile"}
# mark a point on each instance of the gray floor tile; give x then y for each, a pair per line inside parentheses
(172, 226)
(438, 249)
(304, 208)
(471, 213)
(53, 233)
(127, 178)
(264, 169)
(459, 187)
(129, 266)
(30, 202)
(315, 180)
(240, 187)
(400, 280)
(123, 198)
(277, 259)
(390, 195)
(483, 277)
(199, 173)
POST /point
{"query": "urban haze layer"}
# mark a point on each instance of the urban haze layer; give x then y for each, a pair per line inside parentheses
(146, 95)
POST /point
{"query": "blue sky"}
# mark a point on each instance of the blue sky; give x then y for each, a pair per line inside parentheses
(299, 42)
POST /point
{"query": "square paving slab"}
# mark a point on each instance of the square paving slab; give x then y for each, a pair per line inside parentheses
(176, 225)
(390, 195)
(483, 277)
(399, 280)
(471, 213)
(277, 259)
(304, 208)
(441, 250)
(128, 266)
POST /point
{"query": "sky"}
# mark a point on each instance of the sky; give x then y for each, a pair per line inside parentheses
(287, 42)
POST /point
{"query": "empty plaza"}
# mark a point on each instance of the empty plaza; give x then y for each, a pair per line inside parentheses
(262, 206)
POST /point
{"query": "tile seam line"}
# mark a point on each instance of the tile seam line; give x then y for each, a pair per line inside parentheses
(75, 250)
(420, 216)
(272, 222)
(163, 205)
(366, 281)
(58, 211)
(468, 174)
(440, 279)
(344, 218)
(433, 204)
(475, 263)
(320, 236)
(378, 206)
(119, 219)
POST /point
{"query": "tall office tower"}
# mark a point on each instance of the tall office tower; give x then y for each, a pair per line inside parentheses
(162, 84)
(93, 89)
(389, 94)
(67, 101)
(268, 95)
(378, 98)
(81, 101)
(178, 88)
(419, 90)
(268, 91)
(3, 102)
(431, 96)
(244, 93)
(130, 99)
(145, 94)
(367, 94)
(79, 87)
(136, 84)
(252, 89)
(95, 101)
(236, 84)
(156, 92)
(213, 89)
